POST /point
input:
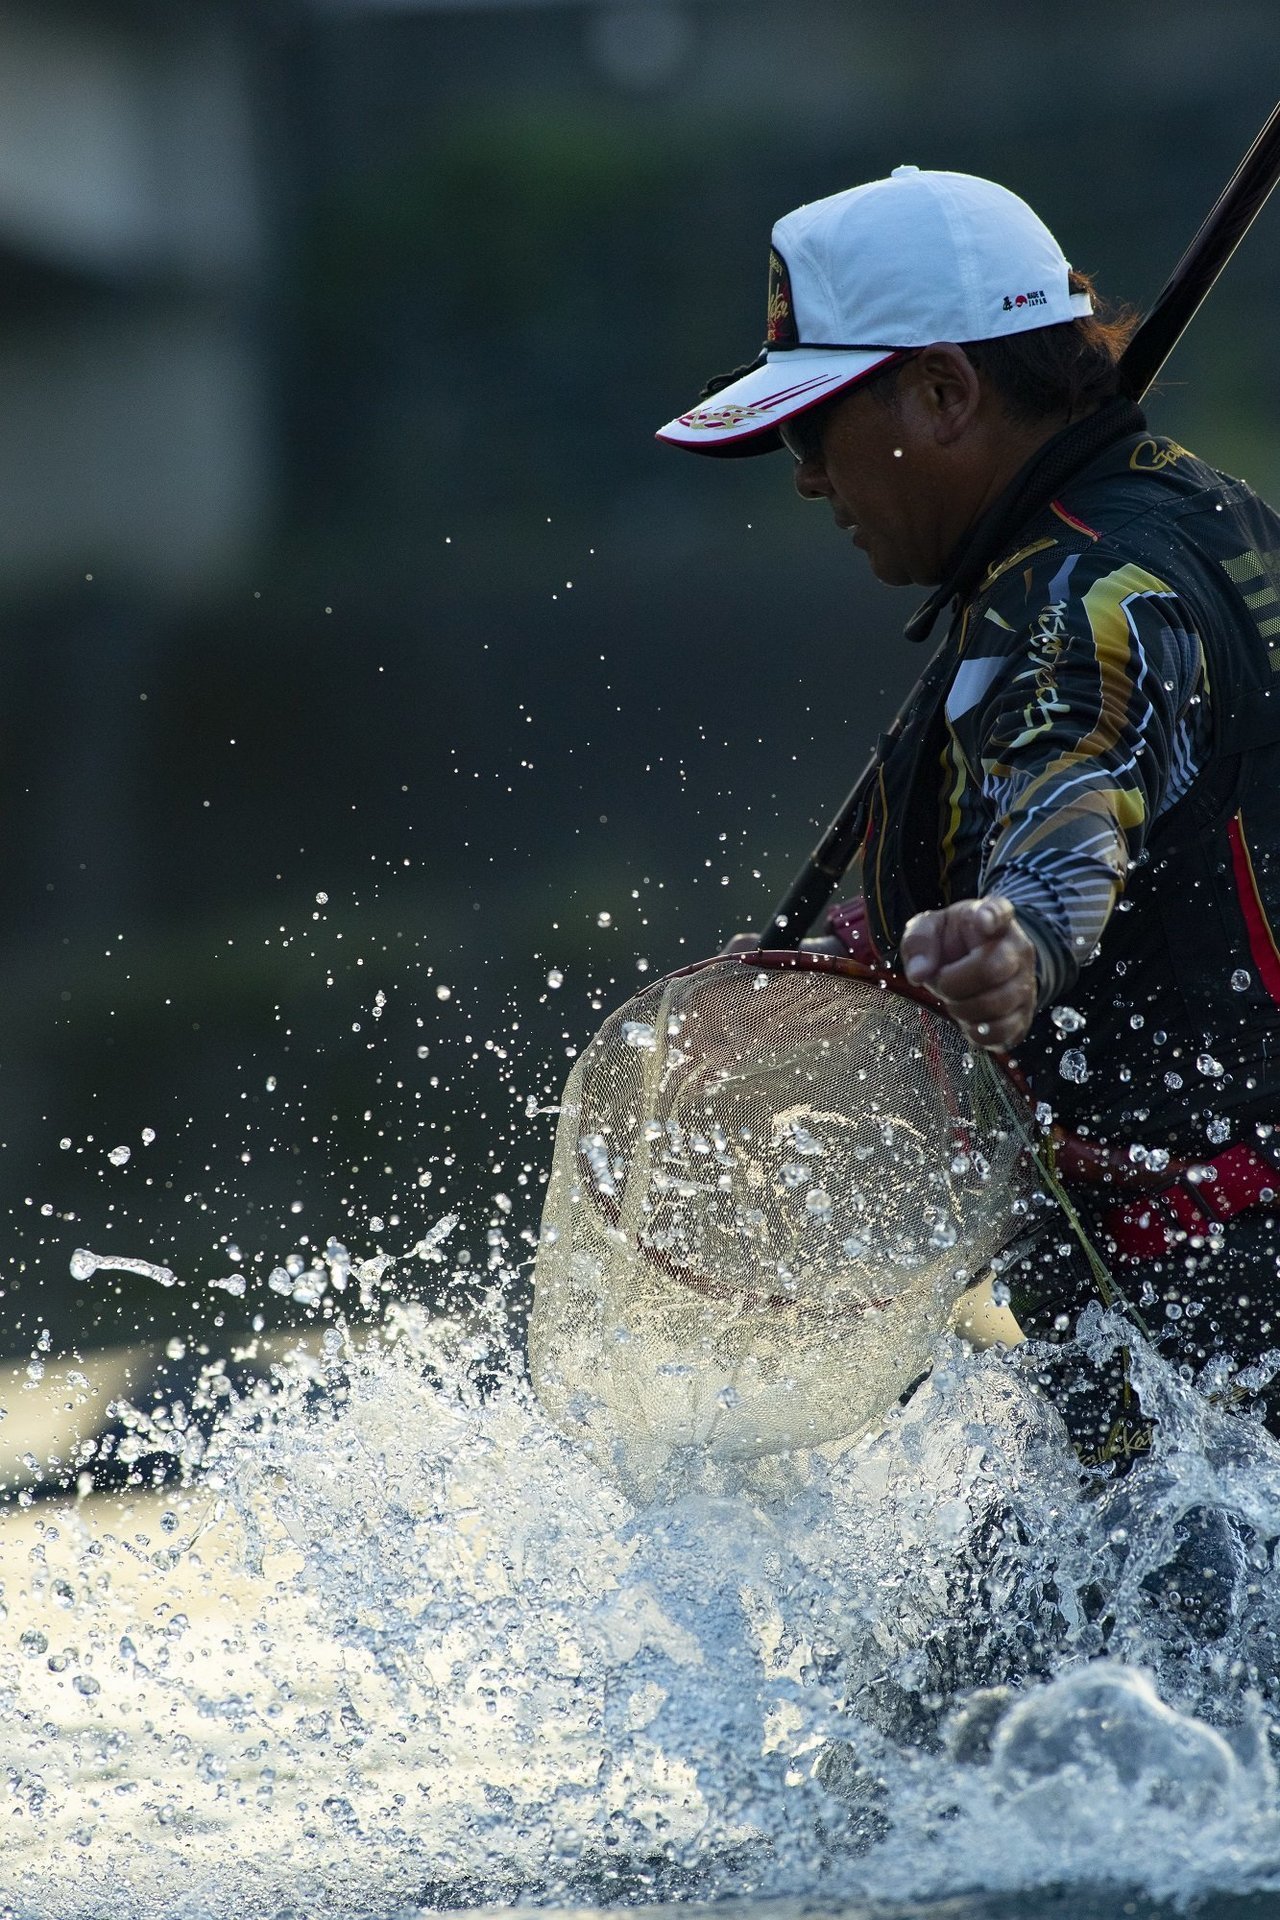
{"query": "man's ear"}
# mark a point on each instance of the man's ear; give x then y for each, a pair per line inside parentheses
(948, 389)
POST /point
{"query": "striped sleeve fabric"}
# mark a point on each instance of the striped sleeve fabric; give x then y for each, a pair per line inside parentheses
(1081, 711)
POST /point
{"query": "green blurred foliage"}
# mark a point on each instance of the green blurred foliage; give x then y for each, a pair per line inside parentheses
(494, 273)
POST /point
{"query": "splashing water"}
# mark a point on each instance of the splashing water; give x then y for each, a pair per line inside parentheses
(397, 1642)
(85, 1264)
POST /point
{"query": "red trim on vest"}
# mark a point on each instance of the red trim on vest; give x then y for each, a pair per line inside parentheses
(1262, 944)
(848, 923)
(1079, 525)
(1236, 1181)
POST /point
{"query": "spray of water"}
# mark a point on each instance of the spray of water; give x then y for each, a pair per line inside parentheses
(394, 1642)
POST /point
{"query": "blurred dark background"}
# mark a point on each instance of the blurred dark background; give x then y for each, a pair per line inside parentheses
(360, 645)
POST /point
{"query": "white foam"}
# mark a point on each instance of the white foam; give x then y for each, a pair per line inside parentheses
(399, 1640)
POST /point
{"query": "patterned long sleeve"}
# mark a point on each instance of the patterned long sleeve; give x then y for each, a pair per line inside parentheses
(1079, 712)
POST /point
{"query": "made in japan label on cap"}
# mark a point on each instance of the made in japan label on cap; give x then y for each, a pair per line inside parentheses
(780, 328)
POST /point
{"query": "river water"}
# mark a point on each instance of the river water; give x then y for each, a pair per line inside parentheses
(397, 1644)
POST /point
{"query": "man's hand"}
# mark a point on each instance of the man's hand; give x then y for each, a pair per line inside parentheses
(975, 959)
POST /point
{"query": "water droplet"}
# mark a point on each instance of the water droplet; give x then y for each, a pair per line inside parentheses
(604, 919)
(1073, 1066)
(637, 1033)
(1218, 1131)
(234, 1284)
(120, 1156)
(555, 978)
(1241, 980)
(444, 993)
(817, 1203)
(149, 1133)
(1066, 1019)
(432, 1238)
(322, 899)
(1211, 1068)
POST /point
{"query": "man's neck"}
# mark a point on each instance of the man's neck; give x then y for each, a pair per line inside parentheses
(1056, 457)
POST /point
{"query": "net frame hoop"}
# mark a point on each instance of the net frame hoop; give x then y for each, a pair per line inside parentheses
(1077, 1160)
(797, 960)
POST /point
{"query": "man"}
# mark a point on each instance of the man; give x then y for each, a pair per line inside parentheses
(1073, 836)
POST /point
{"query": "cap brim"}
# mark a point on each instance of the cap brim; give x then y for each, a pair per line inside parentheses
(744, 418)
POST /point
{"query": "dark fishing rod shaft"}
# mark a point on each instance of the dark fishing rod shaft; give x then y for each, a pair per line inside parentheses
(822, 872)
(1220, 233)
(1176, 305)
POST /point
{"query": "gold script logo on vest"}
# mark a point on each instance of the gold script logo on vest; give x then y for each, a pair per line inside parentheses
(1149, 456)
(780, 329)
(1049, 637)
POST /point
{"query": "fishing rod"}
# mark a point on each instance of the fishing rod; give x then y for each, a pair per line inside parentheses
(1176, 305)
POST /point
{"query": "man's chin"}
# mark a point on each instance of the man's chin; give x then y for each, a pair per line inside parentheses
(892, 573)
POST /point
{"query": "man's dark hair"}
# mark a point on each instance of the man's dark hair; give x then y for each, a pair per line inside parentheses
(1068, 368)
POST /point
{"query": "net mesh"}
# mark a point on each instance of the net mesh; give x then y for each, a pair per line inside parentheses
(772, 1180)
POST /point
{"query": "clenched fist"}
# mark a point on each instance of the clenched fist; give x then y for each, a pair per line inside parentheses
(975, 959)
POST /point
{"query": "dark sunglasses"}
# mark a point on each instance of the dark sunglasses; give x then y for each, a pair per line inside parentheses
(803, 434)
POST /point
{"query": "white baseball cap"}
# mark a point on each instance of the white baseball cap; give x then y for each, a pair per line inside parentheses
(876, 271)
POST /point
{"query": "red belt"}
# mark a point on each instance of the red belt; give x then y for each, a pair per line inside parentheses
(1146, 1228)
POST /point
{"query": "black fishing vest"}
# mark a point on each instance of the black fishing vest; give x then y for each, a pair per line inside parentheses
(1181, 1041)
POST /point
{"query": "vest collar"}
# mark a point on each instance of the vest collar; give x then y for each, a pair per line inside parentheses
(1032, 487)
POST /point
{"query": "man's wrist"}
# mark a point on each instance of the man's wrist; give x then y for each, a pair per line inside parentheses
(1056, 972)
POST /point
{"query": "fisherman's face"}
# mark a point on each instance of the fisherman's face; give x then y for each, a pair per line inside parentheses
(875, 459)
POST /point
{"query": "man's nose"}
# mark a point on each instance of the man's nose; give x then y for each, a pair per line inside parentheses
(810, 480)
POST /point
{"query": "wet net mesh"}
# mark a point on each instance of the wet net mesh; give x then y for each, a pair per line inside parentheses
(772, 1180)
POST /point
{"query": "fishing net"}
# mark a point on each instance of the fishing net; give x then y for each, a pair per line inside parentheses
(773, 1177)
